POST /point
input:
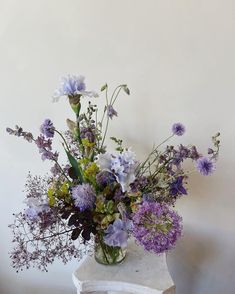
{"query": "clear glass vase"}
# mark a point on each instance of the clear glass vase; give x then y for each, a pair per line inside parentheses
(108, 255)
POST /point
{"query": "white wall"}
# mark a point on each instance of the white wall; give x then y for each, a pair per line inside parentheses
(178, 59)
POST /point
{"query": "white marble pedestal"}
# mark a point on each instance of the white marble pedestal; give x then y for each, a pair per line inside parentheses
(140, 273)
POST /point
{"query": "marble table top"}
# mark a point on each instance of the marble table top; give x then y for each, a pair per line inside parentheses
(140, 272)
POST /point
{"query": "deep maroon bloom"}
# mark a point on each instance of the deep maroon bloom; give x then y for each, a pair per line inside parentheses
(177, 188)
(156, 227)
(47, 128)
(178, 129)
(205, 166)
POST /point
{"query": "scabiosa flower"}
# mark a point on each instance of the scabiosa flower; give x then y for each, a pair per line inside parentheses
(111, 112)
(178, 129)
(177, 188)
(47, 128)
(73, 85)
(116, 234)
(84, 196)
(205, 166)
(156, 227)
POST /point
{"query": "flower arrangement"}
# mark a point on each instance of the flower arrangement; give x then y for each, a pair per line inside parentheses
(99, 197)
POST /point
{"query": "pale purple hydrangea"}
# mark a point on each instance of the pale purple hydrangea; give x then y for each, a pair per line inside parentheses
(178, 129)
(156, 227)
(111, 112)
(47, 128)
(116, 234)
(84, 196)
(72, 85)
(122, 165)
(205, 166)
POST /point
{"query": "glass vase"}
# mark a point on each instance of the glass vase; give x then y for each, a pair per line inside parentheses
(108, 255)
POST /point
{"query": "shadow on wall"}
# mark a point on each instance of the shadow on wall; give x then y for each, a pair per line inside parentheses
(199, 266)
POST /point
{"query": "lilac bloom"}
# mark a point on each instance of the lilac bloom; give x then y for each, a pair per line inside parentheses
(47, 128)
(178, 129)
(116, 234)
(205, 166)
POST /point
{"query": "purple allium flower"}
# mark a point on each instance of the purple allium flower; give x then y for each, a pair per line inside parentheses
(116, 234)
(105, 178)
(176, 188)
(123, 166)
(111, 112)
(156, 227)
(178, 129)
(205, 166)
(72, 85)
(84, 196)
(47, 128)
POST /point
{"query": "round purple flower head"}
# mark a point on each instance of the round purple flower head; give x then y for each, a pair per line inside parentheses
(47, 128)
(84, 196)
(205, 166)
(156, 227)
(116, 234)
(178, 129)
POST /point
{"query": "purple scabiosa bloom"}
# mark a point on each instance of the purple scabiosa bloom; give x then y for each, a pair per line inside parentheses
(205, 166)
(177, 188)
(47, 128)
(111, 112)
(84, 196)
(72, 85)
(178, 129)
(88, 133)
(156, 227)
(116, 234)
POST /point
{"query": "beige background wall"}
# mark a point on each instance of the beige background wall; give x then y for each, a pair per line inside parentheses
(178, 59)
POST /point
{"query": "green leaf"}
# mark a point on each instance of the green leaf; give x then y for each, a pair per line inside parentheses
(75, 165)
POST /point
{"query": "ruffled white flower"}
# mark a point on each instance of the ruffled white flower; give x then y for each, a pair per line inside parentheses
(72, 85)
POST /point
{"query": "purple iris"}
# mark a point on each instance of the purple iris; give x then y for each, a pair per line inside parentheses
(205, 166)
(177, 188)
(178, 129)
(116, 234)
